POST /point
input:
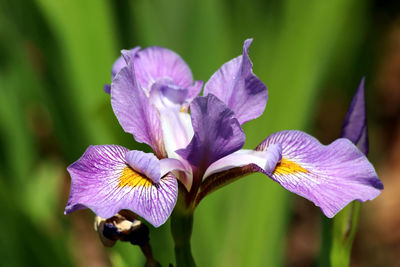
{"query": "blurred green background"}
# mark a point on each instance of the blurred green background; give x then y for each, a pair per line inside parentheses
(56, 55)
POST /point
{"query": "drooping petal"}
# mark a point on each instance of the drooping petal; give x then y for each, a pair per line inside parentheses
(355, 123)
(154, 63)
(330, 176)
(217, 132)
(237, 86)
(104, 181)
(134, 111)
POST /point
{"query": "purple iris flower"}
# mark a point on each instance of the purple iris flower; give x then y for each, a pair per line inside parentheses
(152, 93)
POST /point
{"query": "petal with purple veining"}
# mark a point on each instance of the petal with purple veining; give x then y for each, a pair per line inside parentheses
(239, 88)
(154, 63)
(217, 133)
(104, 181)
(330, 176)
(134, 111)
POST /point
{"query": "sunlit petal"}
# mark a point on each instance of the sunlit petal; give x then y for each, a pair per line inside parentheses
(104, 181)
(330, 176)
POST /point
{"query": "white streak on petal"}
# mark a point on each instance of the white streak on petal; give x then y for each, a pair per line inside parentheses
(177, 130)
(266, 160)
(181, 169)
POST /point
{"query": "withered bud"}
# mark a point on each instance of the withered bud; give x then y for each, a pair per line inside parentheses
(124, 226)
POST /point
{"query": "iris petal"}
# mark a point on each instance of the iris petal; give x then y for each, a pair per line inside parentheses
(330, 176)
(104, 181)
(180, 168)
(239, 88)
(154, 63)
(134, 111)
(217, 133)
(264, 160)
(123, 59)
(118, 65)
(236, 165)
(145, 163)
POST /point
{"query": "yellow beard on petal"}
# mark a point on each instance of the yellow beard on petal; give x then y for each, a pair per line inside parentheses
(133, 179)
(286, 167)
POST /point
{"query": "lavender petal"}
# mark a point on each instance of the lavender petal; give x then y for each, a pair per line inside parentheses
(134, 111)
(118, 65)
(264, 160)
(103, 181)
(144, 163)
(154, 63)
(217, 133)
(236, 85)
(330, 176)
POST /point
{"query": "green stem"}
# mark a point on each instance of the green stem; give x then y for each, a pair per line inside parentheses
(338, 236)
(326, 242)
(181, 229)
(344, 230)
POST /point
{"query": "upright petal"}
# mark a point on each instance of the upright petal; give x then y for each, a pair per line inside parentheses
(236, 85)
(330, 176)
(194, 90)
(154, 63)
(118, 65)
(109, 178)
(176, 125)
(217, 132)
(355, 123)
(134, 111)
(122, 62)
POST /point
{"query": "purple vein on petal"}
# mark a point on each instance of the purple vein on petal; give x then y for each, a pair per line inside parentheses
(134, 111)
(104, 181)
(330, 176)
(239, 88)
(217, 132)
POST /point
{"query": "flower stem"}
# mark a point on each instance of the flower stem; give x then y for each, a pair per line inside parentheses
(181, 229)
(338, 236)
(344, 230)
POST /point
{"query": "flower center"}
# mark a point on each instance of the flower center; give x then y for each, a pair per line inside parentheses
(286, 167)
(133, 179)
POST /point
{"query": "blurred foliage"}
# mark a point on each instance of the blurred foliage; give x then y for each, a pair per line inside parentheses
(55, 57)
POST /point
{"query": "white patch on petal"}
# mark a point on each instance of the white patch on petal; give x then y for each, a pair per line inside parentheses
(177, 130)
(266, 160)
